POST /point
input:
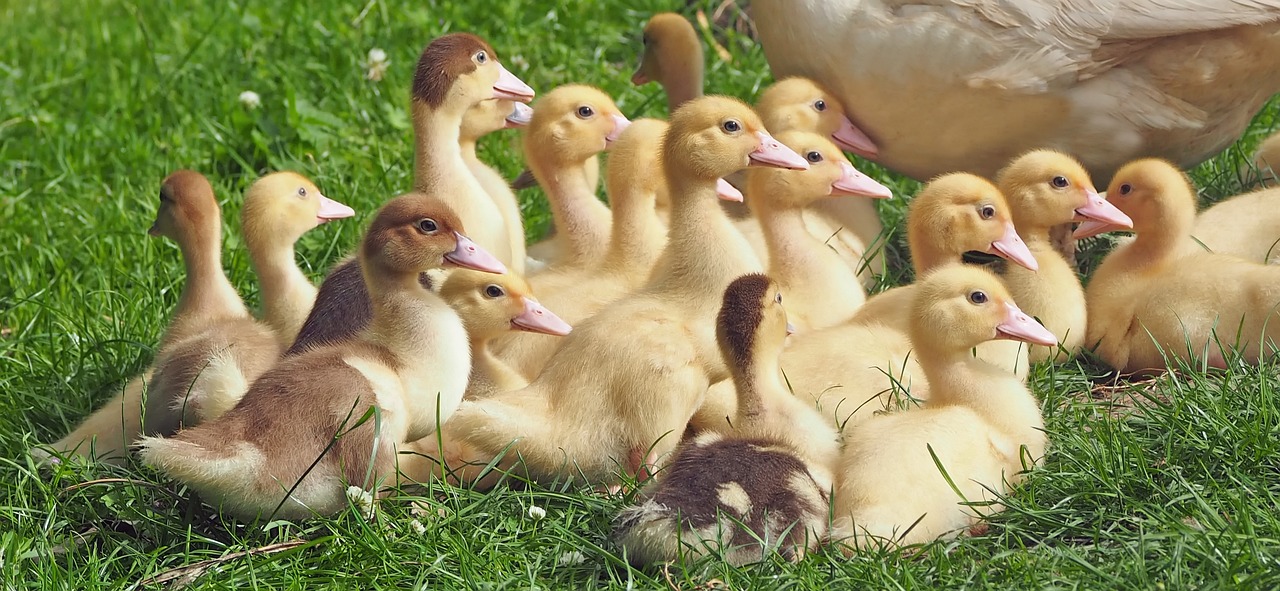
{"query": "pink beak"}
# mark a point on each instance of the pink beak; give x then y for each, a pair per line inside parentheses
(1017, 326)
(850, 138)
(1098, 209)
(620, 124)
(511, 88)
(1011, 246)
(855, 184)
(771, 152)
(1090, 228)
(521, 115)
(727, 192)
(537, 318)
(332, 210)
(791, 328)
(469, 255)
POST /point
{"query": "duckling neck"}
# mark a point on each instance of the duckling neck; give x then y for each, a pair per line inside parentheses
(925, 257)
(467, 146)
(581, 219)
(410, 320)
(635, 231)
(490, 375)
(207, 292)
(704, 251)
(437, 145)
(794, 254)
(685, 83)
(287, 294)
(995, 394)
(755, 381)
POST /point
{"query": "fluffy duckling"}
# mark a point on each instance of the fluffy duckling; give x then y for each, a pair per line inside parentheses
(491, 306)
(757, 487)
(622, 386)
(278, 452)
(981, 422)
(570, 127)
(823, 290)
(1046, 189)
(1247, 226)
(1148, 300)
(1267, 158)
(484, 118)
(634, 245)
(672, 57)
(455, 73)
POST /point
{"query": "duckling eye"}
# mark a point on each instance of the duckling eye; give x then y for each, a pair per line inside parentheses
(302, 191)
(645, 40)
(778, 298)
(481, 57)
(978, 297)
(427, 226)
(731, 126)
(813, 156)
(493, 291)
(820, 105)
(1126, 188)
(585, 112)
(1060, 182)
(987, 212)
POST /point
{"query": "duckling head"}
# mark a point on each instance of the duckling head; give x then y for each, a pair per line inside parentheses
(573, 123)
(459, 70)
(490, 115)
(1047, 188)
(830, 174)
(1155, 194)
(669, 42)
(188, 211)
(634, 157)
(415, 233)
(493, 305)
(752, 323)
(713, 136)
(958, 307)
(282, 206)
(958, 213)
(801, 104)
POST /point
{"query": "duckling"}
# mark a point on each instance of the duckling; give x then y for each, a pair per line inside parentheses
(636, 241)
(1151, 298)
(1267, 158)
(455, 72)
(1046, 189)
(296, 440)
(213, 347)
(1247, 226)
(571, 125)
(484, 118)
(491, 306)
(824, 291)
(981, 424)
(672, 57)
(762, 484)
(623, 384)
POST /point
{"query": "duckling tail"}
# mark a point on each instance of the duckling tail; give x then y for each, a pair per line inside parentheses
(203, 461)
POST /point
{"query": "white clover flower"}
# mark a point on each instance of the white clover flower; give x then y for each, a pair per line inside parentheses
(250, 100)
(571, 558)
(377, 64)
(537, 513)
(417, 527)
(362, 499)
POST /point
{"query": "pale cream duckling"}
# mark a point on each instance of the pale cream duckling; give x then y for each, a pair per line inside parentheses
(213, 347)
(1247, 226)
(981, 423)
(622, 386)
(484, 118)
(1148, 300)
(758, 486)
(455, 73)
(570, 127)
(491, 306)
(1266, 159)
(634, 245)
(1046, 189)
(823, 291)
(672, 57)
(295, 442)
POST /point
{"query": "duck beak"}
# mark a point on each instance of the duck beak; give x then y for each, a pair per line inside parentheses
(727, 192)
(536, 318)
(332, 210)
(1090, 228)
(620, 124)
(1017, 326)
(850, 138)
(639, 79)
(771, 152)
(1098, 209)
(521, 115)
(154, 230)
(1011, 246)
(791, 328)
(469, 255)
(853, 183)
(511, 88)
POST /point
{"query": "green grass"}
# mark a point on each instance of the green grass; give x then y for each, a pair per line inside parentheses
(99, 100)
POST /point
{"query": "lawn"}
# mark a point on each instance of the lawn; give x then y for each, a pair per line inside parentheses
(1171, 484)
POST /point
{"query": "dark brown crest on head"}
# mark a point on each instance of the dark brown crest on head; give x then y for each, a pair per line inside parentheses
(395, 241)
(442, 62)
(184, 185)
(740, 315)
